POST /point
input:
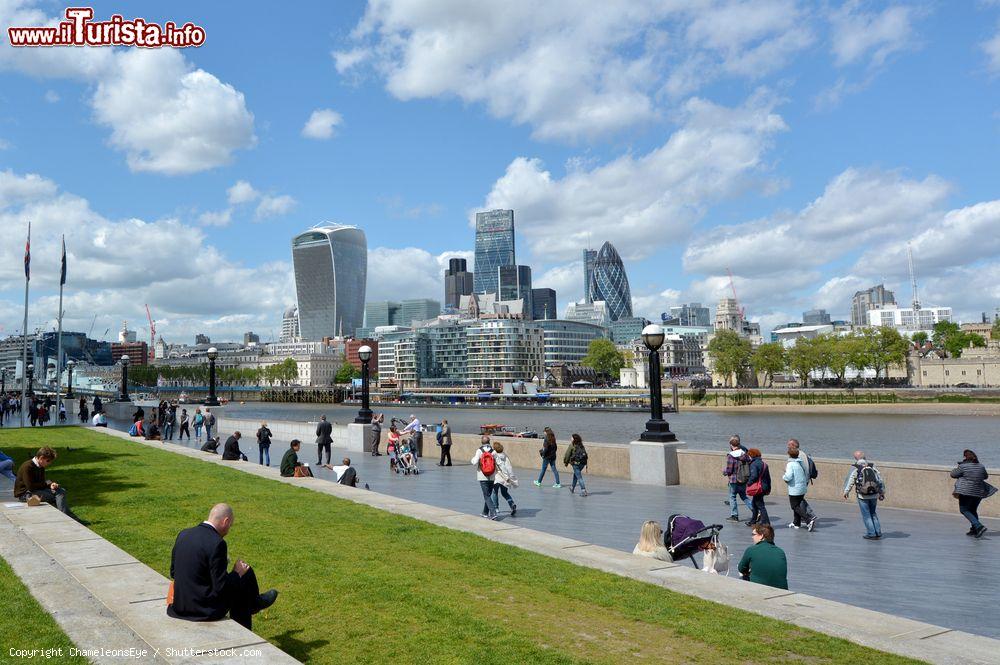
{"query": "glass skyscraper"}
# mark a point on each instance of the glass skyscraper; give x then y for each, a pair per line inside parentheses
(457, 283)
(331, 270)
(610, 283)
(494, 248)
(589, 256)
(514, 283)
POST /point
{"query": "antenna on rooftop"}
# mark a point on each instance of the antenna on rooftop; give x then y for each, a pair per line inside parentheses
(913, 277)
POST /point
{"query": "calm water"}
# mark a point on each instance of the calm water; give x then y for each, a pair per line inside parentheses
(927, 439)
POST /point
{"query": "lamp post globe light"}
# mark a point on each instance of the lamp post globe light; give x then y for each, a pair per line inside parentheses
(70, 364)
(123, 393)
(212, 400)
(365, 414)
(657, 428)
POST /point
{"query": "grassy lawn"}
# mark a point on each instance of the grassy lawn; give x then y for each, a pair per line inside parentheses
(363, 585)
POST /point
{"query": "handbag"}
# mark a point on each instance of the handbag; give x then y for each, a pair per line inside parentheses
(757, 486)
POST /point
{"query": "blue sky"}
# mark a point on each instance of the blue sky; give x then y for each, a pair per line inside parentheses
(801, 145)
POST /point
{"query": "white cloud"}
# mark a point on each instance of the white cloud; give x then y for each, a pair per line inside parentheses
(408, 272)
(51, 96)
(220, 218)
(567, 280)
(858, 34)
(570, 70)
(4, 145)
(992, 49)
(274, 206)
(321, 123)
(241, 192)
(646, 201)
(653, 305)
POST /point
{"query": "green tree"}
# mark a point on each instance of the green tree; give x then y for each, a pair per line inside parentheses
(995, 333)
(805, 357)
(604, 357)
(289, 370)
(950, 337)
(840, 354)
(768, 359)
(730, 354)
(346, 373)
(882, 348)
(919, 337)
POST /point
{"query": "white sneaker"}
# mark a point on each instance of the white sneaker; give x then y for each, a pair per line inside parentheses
(791, 525)
(812, 524)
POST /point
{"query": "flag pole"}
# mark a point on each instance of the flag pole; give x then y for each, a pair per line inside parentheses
(24, 350)
(59, 363)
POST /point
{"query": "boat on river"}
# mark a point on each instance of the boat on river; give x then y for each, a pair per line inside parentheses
(496, 429)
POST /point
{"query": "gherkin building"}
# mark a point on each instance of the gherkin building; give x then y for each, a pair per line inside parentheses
(608, 282)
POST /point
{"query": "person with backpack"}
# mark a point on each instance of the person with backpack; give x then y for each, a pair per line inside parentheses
(798, 483)
(486, 468)
(264, 445)
(737, 472)
(869, 488)
(811, 471)
(548, 455)
(209, 422)
(199, 422)
(576, 455)
(970, 489)
(758, 486)
(504, 479)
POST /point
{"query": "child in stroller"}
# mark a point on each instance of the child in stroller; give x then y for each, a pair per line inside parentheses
(686, 536)
(401, 457)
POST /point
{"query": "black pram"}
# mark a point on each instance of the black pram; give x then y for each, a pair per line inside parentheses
(685, 536)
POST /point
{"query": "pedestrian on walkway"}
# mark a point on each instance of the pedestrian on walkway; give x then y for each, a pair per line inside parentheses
(416, 435)
(184, 426)
(971, 488)
(199, 422)
(486, 469)
(764, 562)
(548, 454)
(798, 483)
(169, 422)
(737, 472)
(264, 445)
(504, 479)
(324, 440)
(576, 455)
(651, 542)
(869, 488)
(444, 439)
(209, 423)
(377, 420)
(758, 487)
(84, 412)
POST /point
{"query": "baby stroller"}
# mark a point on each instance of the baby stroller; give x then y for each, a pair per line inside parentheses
(685, 536)
(401, 458)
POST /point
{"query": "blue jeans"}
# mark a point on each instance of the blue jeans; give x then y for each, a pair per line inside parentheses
(738, 489)
(968, 506)
(208, 431)
(578, 477)
(501, 489)
(168, 431)
(6, 467)
(265, 454)
(489, 505)
(546, 464)
(197, 431)
(868, 506)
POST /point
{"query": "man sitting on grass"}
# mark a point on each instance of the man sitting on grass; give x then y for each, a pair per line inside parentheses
(202, 589)
(290, 464)
(31, 486)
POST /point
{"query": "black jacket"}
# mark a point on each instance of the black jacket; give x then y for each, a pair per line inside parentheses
(263, 437)
(232, 450)
(203, 589)
(323, 432)
(349, 477)
(757, 469)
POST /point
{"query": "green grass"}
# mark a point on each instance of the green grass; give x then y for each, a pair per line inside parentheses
(362, 585)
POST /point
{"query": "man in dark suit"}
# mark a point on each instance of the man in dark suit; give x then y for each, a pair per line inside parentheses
(323, 439)
(232, 449)
(203, 590)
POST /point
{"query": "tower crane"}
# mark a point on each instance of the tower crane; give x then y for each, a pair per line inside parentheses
(152, 335)
(732, 285)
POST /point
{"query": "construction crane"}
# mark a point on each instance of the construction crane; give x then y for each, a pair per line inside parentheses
(91, 332)
(152, 335)
(732, 285)
(913, 277)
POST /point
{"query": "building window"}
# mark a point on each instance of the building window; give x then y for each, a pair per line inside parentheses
(925, 372)
(947, 372)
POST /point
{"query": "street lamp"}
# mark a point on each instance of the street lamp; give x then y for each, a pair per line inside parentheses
(123, 396)
(212, 400)
(365, 414)
(657, 428)
(31, 379)
(69, 387)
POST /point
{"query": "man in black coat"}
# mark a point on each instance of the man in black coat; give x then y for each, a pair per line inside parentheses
(323, 439)
(232, 451)
(203, 590)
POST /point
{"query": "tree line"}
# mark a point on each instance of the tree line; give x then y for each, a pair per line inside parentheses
(281, 373)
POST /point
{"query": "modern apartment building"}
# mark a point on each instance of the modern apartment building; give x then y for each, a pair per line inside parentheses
(331, 268)
(504, 350)
(876, 297)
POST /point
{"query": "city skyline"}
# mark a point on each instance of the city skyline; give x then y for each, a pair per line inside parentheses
(826, 173)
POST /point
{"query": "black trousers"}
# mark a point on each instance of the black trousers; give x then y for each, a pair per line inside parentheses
(445, 453)
(320, 447)
(244, 603)
(759, 513)
(800, 509)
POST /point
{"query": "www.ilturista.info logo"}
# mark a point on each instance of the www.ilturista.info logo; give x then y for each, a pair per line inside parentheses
(80, 30)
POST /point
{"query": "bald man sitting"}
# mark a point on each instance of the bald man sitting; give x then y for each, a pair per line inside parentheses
(203, 590)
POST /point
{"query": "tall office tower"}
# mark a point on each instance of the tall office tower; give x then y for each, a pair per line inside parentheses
(331, 270)
(692, 314)
(543, 304)
(589, 256)
(815, 317)
(419, 309)
(382, 313)
(876, 297)
(610, 283)
(514, 283)
(494, 248)
(457, 283)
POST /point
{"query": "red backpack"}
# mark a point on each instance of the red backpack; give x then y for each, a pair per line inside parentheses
(487, 465)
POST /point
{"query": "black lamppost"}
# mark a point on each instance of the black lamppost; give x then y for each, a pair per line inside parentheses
(657, 428)
(212, 400)
(365, 414)
(31, 380)
(123, 396)
(69, 384)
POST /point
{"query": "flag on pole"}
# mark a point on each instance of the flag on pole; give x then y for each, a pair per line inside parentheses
(62, 275)
(27, 255)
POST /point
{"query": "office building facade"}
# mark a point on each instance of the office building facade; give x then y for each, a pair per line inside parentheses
(381, 313)
(494, 248)
(691, 314)
(815, 317)
(458, 282)
(331, 270)
(609, 283)
(595, 312)
(419, 309)
(876, 297)
(289, 325)
(627, 328)
(905, 319)
(543, 304)
(589, 256)
(567, 341)
(514, 283)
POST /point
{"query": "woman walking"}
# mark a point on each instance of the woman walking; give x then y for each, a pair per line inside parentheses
(199, 422)
(970, 489)
(504, 478)
(184, 426)
(264, 445)
(444, 439)
(758, 486)
(798, 483)
(548, 453)
(576, 455)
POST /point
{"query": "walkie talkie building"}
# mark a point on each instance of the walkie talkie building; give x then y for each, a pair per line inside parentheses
(331, 270)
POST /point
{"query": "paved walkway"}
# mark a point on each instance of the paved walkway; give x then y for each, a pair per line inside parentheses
(924, 568)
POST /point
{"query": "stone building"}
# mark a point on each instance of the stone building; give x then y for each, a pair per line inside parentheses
(977, 367)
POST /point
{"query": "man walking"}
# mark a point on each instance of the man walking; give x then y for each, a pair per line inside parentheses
(209, 423)
(486, 468)
(324, 440)
(417, 433)
(444, 439)
(737, 472)
(869, 488)
(169, 420)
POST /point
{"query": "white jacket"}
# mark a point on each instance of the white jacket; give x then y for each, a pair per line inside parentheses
(505, 472)
(475, 461)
